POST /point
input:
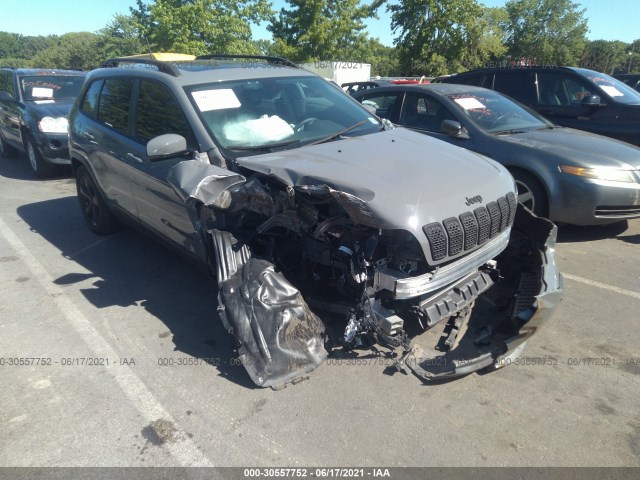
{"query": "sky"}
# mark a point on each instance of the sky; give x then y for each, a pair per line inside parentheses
(607, 19)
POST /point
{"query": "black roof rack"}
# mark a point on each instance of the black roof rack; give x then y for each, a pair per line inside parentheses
(274, 60)
(161, 66)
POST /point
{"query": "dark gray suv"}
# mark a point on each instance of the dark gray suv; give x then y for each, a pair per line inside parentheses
(324, 227)
(34, 104)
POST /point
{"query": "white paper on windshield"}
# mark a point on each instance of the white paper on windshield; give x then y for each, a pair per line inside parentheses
(219, 99)
(612, 91)
(470, 103)
(257, 131)
(40, 92)
(43, 101)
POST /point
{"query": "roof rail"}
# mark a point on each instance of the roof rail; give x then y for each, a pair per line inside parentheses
(161, 66)
(269, 59)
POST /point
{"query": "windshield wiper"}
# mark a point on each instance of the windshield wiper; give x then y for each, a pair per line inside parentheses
(262, 148)
(507, 132)
(338, 134)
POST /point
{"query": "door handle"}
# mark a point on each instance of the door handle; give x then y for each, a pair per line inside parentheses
(88, 135)
(134, 158)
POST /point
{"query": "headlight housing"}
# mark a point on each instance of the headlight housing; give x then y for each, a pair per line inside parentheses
(54, 125)
(610, 174)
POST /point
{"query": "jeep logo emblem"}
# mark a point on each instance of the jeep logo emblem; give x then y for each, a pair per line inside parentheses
(472, 200)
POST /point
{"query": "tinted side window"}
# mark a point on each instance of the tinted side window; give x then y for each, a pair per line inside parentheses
(89, 104)
(473, 79)
(560, 89)
(158, 113)
(114, 103)
(387, 105)
(518, 85)
(424, 113)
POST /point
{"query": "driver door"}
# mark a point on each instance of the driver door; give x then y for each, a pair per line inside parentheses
(156, 112)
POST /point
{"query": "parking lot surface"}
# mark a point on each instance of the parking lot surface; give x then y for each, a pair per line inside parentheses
(112, 354)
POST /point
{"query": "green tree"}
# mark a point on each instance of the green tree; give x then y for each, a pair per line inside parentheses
(633, 58)
(76, 50)
(200, 27)
(545, 31)
(120, 38)
(435, 37)
(485, 39)
(9, 44)
(606, 56)
(383, 59)
(309, 30)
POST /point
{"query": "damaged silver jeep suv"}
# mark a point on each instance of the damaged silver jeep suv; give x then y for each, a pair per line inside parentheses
(327, 229)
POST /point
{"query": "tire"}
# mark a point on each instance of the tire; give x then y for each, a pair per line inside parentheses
(6, 150)
(94, 209)
(41, 169)
(531, 193)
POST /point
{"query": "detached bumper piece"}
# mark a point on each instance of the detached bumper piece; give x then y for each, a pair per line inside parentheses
(495, 331)
(280, 338)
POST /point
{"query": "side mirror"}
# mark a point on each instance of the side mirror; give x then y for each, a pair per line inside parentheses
(166, 146)
(591, 101)
(452, 128)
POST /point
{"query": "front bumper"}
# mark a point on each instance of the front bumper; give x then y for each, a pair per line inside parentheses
(581, 201)
(495, 333)
(53, 147)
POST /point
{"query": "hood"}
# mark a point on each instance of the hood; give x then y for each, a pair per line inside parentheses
(405, 178)
(48, 108)
(578, 147)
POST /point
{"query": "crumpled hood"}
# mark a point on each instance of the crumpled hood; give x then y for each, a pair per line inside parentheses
(406, 179)
(57, 108)
(578, 147)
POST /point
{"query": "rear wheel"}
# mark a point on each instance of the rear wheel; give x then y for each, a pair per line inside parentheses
(41, 169)
(93, 206)
(531, 193)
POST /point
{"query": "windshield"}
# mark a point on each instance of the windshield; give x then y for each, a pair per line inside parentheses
(51, 87)
(276, 112)
(618, 91)
(495, 113)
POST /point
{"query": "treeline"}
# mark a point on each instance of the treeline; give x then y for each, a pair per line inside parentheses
(431, 37)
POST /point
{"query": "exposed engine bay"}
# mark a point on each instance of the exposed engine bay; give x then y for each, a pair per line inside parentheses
(307, 270)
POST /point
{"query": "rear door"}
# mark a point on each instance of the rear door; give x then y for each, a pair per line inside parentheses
(105, 138)
(518, 84)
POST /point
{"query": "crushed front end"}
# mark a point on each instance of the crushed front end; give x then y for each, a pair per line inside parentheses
(304, 268)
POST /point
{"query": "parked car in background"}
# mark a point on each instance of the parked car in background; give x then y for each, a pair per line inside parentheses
(353, 87)
(631, 79)
(568, 96)
(568, 175)
(34, 104)
(302, 201)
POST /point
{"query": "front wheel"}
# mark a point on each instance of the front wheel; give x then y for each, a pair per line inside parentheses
(531, 193)
(40, 168)
(93, 206)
